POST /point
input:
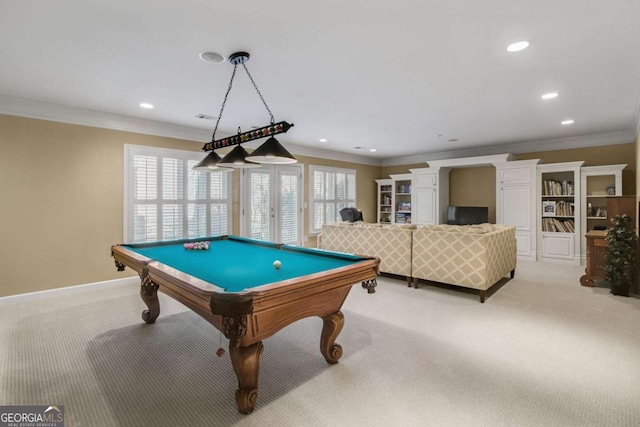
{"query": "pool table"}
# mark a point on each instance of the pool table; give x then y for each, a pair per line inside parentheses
(237, 288)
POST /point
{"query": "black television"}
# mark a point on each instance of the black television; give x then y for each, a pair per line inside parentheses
(467, 215)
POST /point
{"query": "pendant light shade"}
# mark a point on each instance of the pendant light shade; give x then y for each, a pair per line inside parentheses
(210, 164)
(271, 152)
(237, 159)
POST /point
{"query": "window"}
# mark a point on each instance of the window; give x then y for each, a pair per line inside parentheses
(166, 200)
(331, 190)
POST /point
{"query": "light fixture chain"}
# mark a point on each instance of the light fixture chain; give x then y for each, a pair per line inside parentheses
(259, 94)
(213, 137)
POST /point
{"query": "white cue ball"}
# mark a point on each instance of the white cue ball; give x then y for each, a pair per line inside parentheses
(277, 264)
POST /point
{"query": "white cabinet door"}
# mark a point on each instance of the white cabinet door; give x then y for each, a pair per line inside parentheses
(516, 176)
(425, 180)
(425, 206)
(523, 244)
(516, 207)
(558, 246)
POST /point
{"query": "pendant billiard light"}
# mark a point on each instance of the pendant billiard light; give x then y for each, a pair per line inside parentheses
(271, 152)
(210, 164)
(237, 158)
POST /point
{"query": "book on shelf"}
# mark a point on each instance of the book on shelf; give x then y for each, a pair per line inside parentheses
(558, 188)
(558, 225)
(564, 208)
(403, 218)
(404, 206)
(557, 208)
(404, 188)
(596, 211)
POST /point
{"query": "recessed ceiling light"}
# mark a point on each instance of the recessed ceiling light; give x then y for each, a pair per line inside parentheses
(146, 105)
(323, 140)
(549, 95)
(213, 57)
(567, 122)
(359, 148)
(452, 139)
(518, 46)
(373, 150)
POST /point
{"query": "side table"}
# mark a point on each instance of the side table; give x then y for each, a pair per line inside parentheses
(596, 248)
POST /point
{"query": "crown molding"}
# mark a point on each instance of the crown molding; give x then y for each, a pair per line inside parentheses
(304, 150)
(80, 116)
(593, 140)
(22, 107)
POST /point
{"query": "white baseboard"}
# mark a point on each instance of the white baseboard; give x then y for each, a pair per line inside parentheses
(33, 296)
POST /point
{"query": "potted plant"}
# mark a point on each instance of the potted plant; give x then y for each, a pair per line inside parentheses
(620, 256)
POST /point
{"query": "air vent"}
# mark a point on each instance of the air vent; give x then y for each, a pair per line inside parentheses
(206, 117)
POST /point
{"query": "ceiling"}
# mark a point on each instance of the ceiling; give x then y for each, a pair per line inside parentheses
(404, 77)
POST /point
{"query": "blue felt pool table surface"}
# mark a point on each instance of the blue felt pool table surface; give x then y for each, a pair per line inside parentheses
(236, 263)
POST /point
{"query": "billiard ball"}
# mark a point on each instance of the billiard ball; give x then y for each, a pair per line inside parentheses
(277, 264)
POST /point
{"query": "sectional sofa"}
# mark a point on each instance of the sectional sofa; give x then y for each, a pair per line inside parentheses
(390, 243)
(476, 256)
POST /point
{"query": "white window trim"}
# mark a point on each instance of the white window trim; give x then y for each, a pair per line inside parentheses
(312, 170)
(129, 151)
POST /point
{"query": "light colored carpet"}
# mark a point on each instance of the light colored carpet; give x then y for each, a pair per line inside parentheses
(542, 351)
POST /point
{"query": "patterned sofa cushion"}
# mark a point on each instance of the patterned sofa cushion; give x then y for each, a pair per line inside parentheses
(366, 224)
(473, 229)
(392, 244)
(467, 256)
(400, 226)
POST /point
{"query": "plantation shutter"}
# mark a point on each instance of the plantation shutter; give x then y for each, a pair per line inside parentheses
(289, 207)
(197, 202)
(145, 193)
(168, 200)
(260, 204)
(333, 189)
(172, 197)
(220, 196)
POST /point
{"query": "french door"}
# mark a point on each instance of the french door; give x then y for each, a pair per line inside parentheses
(272, 203)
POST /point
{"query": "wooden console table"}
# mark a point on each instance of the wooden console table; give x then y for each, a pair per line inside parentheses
(596, 243)
(596, 247)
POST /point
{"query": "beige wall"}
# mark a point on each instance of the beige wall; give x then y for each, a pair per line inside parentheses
(474, 187)
(62, 196)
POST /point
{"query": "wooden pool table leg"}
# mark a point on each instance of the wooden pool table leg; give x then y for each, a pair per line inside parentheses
(149, 295)
(246, 363)
(331, 328)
